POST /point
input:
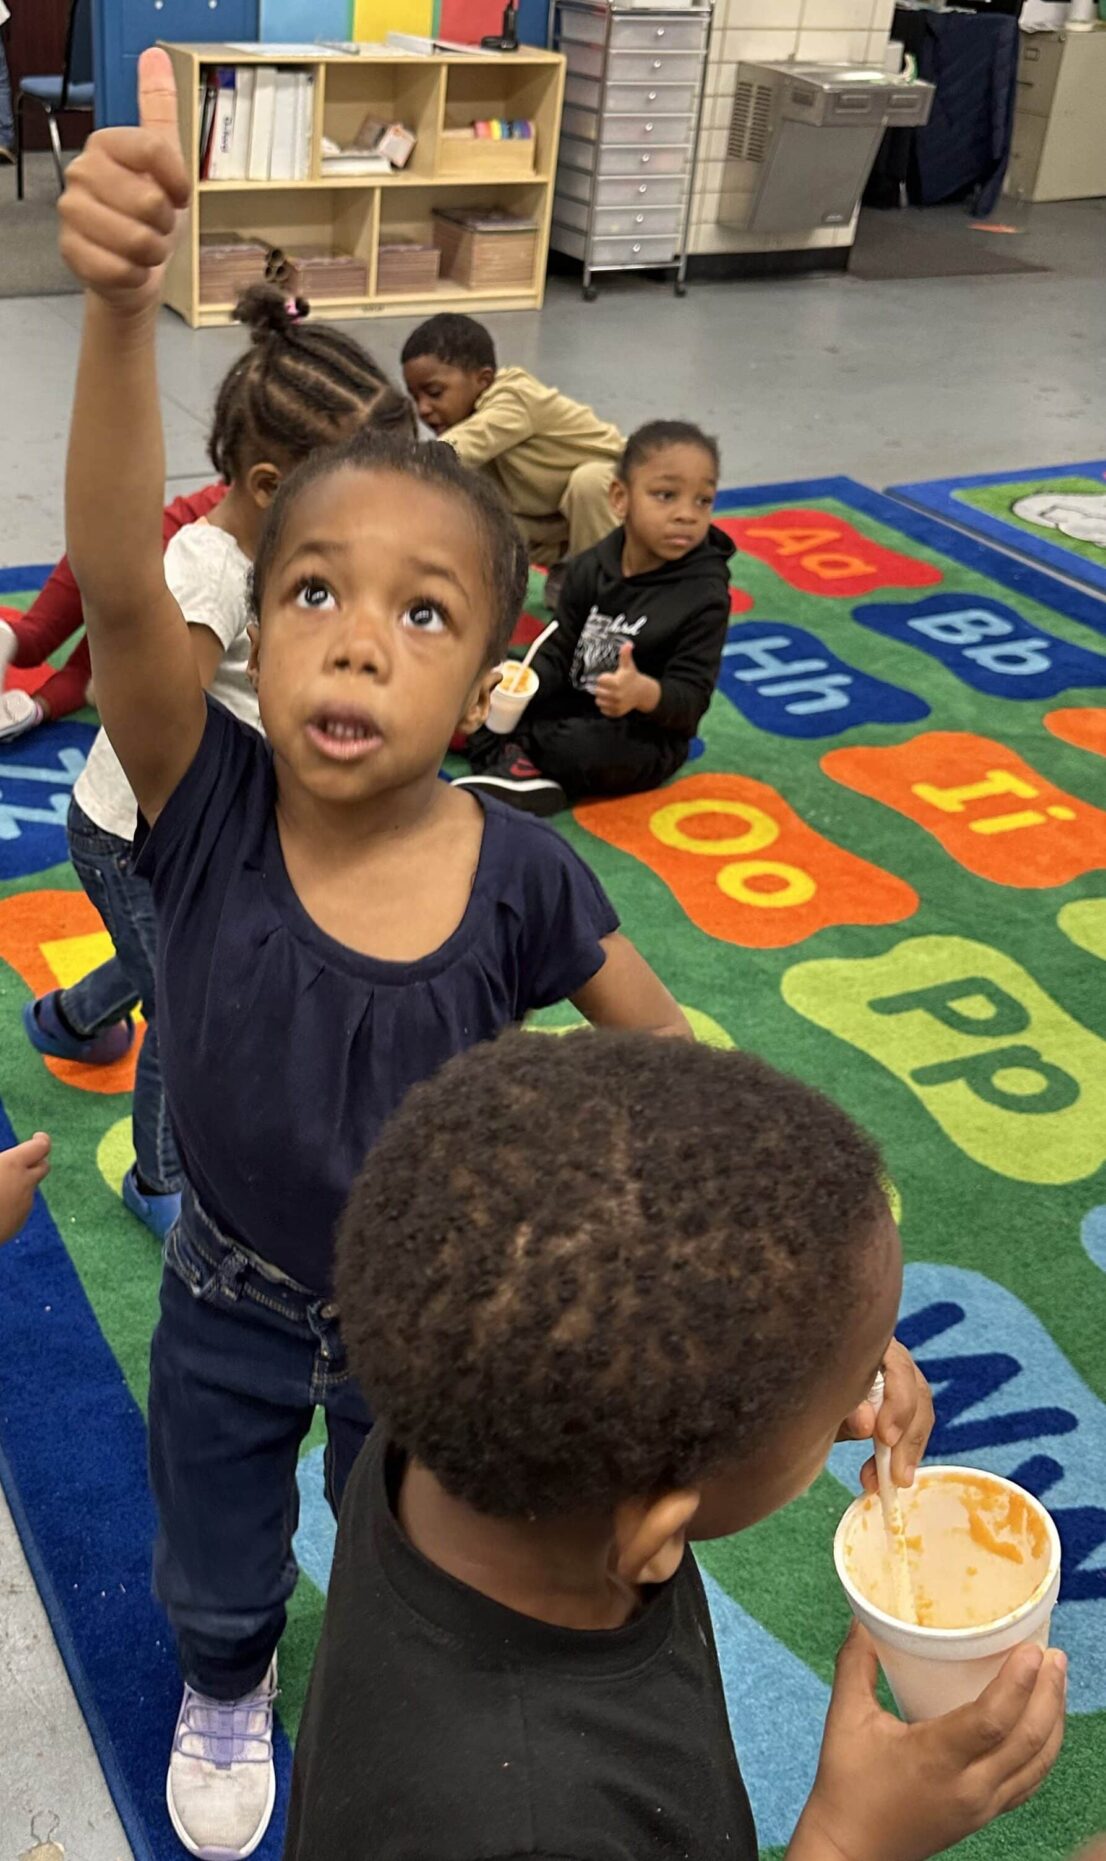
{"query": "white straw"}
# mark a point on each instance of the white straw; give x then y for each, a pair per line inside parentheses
(540, 641)
(905, 1606)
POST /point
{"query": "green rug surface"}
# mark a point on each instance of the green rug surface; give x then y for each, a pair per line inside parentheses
(884, 868)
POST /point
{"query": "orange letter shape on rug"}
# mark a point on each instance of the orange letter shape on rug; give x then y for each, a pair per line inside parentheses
(820, 553)
(988, 807)
(1085, 728)
(743, 865)
(28, 920)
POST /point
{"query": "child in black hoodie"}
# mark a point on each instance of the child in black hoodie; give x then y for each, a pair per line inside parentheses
(642, 620)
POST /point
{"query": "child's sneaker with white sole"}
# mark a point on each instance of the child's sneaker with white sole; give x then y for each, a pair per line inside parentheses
(221, 1784)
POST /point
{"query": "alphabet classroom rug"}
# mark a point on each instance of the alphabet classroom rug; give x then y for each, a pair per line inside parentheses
(1055, 516)
(884, 868)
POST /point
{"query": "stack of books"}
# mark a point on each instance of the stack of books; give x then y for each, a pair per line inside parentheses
(486, 248)
(318, 272)
(257, 123)
(406, 269)
(229, 264)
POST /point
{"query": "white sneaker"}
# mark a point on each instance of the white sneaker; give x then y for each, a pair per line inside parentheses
(221, 1784)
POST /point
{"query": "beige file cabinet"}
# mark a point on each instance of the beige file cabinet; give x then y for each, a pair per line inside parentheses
(1059, 146)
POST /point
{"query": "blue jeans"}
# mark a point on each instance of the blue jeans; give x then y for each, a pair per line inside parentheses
(7, 121)
(103, 864)
(240, 1359)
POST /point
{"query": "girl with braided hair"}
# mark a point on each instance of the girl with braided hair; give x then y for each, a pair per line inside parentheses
(334, 922)
(296, 389)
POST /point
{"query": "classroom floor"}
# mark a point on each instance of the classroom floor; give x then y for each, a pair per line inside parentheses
(799, 378)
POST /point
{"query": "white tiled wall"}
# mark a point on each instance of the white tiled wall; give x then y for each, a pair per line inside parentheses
(826, 31)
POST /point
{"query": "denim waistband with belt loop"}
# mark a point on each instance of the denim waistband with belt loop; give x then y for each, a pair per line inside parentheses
(237, 1268)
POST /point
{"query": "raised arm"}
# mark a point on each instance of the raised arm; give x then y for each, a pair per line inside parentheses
(119, 225)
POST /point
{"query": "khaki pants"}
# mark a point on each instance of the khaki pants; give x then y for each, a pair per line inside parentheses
(582, 518)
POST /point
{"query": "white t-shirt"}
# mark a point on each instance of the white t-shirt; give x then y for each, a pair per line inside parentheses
(207, 574)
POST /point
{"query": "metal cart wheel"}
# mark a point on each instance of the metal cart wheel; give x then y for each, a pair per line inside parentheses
(680, 288)
(589, 293)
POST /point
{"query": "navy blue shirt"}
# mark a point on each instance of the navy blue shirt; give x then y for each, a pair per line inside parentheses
(283, 1051)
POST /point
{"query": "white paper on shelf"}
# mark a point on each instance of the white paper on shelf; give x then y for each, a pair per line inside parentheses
(356, 48)
(282, 160)
(238, 166)
(257, 47)
(261, 128)
(305, 124)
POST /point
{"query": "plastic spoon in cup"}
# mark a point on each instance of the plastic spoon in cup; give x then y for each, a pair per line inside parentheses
(905, 1606)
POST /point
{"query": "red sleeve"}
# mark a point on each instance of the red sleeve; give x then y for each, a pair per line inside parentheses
(56, 613)
(65, 690)
(53, 616)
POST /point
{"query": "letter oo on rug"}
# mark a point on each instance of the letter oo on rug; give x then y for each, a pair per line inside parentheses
(707, 842)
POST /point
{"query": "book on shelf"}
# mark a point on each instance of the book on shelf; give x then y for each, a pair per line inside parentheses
(305, 125)
(220, 137)
(207, 118)
(238, 165)
(261, 125)
(257, 123)
(282, 154)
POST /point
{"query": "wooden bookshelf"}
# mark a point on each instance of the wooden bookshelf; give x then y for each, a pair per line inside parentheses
(355, 212)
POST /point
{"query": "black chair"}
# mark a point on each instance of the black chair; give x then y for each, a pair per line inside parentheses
(73, 89)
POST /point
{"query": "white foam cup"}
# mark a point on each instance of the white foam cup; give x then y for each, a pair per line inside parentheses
(985, 1568)
(516, 687)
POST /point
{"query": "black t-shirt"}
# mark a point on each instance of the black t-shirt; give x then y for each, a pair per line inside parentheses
(440, 1726)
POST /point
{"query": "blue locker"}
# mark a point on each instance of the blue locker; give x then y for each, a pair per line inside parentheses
(124, 28)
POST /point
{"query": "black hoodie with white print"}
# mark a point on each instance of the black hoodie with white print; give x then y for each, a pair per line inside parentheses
(674, 616)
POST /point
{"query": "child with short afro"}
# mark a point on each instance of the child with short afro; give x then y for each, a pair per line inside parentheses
(590, 1342)
(551, 458)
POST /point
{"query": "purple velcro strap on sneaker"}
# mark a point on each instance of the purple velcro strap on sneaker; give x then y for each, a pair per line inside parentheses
(46, 1031)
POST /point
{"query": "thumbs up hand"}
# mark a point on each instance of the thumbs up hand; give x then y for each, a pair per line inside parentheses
(123, 196)
(627, 689)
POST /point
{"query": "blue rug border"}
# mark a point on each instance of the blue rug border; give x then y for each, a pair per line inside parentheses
(43, 1470)
(25, 577)
(20, 1422)
(936, 496)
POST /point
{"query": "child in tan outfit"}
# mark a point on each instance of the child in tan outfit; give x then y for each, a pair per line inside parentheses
(552, 458)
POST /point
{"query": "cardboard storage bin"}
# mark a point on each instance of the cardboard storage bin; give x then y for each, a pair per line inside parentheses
(486, 249)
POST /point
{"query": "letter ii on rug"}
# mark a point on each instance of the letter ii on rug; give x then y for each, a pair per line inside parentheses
(987, 806)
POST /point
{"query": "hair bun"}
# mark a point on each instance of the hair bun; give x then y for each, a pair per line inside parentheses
(266, 310)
